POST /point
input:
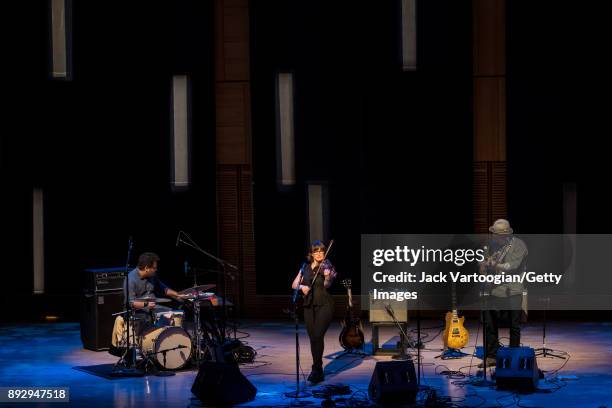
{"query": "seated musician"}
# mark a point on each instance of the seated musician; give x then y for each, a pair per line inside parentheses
(142, 282)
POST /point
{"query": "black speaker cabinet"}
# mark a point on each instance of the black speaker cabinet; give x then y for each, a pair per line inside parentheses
(97, 318)
(516, 368)
(393, 382)
(222, 384)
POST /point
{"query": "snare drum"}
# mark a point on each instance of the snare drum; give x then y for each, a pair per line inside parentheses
(169, 318)
(170, 347)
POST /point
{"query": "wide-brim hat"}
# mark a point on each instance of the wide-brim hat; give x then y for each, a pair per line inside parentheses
(501, 227)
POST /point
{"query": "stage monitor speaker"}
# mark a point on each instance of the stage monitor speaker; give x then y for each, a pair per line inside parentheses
(393, 382)
(222, 384)
(516, 368)
(97, 318)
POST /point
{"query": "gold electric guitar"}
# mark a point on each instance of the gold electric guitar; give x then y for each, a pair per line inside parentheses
(455, 336)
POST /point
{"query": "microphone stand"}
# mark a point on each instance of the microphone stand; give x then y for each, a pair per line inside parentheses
(128, 368)
(484, 382)
(297, 393)
(403, 335)
(223, 264)
(545, 351)
(483, 311)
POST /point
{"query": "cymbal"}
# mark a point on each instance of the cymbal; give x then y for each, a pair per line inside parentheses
(194, 290)
(152, 299)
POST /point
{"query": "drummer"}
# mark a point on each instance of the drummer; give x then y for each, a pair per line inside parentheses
(143, 282)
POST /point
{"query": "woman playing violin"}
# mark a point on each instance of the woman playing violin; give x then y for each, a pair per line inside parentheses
(313, 280)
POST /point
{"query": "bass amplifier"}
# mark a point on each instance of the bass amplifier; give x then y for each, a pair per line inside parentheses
(97, 318)
(102, 296)
(104, 279)
(379, 314)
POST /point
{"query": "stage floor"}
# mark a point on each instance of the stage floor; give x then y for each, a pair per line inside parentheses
(45, 354)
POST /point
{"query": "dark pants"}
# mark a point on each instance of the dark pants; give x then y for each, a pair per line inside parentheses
(498, 310)
(318, 319)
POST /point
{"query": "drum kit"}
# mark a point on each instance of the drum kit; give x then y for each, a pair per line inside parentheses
(166, 339)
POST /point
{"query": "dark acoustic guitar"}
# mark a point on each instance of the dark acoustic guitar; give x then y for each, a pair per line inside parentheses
(351, 336)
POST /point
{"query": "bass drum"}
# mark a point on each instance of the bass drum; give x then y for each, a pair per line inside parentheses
(170, 347)
(169, 318)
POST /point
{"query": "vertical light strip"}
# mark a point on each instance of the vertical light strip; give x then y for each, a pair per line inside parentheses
(318, 214)
(38, 241)
(61, 41)
(180, 132)
(409, 35)
(285, 130)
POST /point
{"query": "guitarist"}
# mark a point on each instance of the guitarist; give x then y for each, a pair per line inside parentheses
(508, 255)
(318, 303)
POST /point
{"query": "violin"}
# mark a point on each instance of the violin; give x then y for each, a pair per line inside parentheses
(325, 264)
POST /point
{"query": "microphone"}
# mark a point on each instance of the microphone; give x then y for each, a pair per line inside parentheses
(178, 238)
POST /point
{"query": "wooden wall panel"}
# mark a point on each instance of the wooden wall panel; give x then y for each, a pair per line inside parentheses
(228, 219)
(490, 119)
(233, 125)
(489, 79)
(236, 237)
(232, 42)
(489, 37)
(233, 148)
(490, 194)
(481, 198)
(247, 235)
(499, 193)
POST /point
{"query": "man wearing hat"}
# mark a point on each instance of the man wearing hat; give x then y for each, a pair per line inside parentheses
(509, 257)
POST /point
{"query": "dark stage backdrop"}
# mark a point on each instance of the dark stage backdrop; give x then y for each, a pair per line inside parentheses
(99, 145)
(558, 114)
(395, 147)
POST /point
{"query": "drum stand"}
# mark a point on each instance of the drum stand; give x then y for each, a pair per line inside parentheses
(197, 332)
(127, 365)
